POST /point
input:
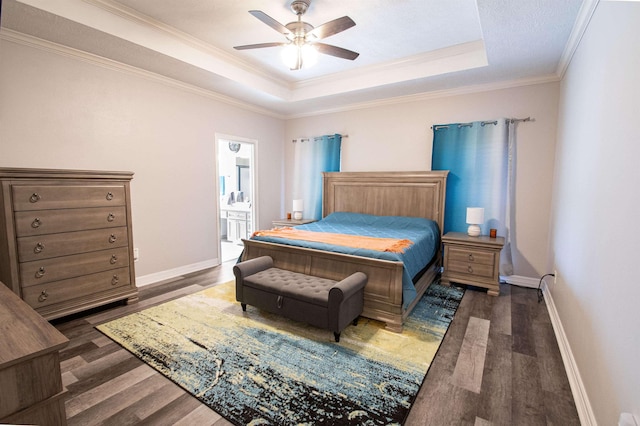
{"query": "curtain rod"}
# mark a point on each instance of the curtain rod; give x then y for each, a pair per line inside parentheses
(482, 123)
(316, 137)
(446, 126)
(516, 120)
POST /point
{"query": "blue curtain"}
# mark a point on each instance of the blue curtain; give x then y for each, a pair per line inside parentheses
(312, 157)
(477, 157)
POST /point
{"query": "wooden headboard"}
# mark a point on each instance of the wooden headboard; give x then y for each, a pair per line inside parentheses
(416, 194)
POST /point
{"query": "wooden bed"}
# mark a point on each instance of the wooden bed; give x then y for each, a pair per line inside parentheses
(416, 194)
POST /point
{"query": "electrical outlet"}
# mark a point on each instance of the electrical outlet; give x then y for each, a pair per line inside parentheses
(136, 254)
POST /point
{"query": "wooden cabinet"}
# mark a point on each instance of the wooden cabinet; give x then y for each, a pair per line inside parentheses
(66, 238)
(472, 260)
(31, 390)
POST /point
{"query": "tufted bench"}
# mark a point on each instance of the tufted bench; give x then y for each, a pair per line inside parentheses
(321, 302)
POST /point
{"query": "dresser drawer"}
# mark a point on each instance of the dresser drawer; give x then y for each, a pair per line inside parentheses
(43, 197)
(41, 295)
(471, 269)
(66, 220)
(60, 268)
(54, 245)
(471, 256)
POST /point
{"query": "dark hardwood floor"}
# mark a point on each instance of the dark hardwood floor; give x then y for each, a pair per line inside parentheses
(499, 364)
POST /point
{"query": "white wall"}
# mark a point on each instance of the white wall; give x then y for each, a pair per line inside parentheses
(398, 137)
(595, 241)
(57, 111)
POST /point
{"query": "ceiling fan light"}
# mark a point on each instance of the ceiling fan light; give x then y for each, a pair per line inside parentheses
(291, 56)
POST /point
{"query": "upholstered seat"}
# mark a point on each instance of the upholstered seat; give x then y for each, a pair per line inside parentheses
(321, 302)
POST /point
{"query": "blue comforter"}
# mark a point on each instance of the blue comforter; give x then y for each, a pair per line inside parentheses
(424, 234)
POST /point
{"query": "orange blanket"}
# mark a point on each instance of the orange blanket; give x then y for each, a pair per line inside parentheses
(392, 245)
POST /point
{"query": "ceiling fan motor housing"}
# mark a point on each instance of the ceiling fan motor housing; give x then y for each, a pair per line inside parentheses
(299, 30)
(299, 7)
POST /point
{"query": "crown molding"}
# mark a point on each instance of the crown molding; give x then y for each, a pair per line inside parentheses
(436, 94)
(585, 14)
(58, 49)
(450, 59)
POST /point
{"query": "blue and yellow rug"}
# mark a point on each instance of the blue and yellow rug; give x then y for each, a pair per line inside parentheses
(255, 368)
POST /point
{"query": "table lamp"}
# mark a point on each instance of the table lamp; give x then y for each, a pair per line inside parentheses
(475, 218)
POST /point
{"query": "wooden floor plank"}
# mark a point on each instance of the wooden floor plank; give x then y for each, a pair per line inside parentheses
(104, 410)
(172, 411)
(501, 314)
(202, 415)
(521, 329)
(84, 400)
(527, 395)
(470, 364)
(496, 394)
(148, 405)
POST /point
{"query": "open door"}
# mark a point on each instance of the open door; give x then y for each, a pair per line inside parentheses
(236, 194)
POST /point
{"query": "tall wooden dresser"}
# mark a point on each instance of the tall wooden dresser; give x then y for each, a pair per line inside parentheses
(66, 238)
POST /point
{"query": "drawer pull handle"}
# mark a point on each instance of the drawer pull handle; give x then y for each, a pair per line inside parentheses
(35, 197)
(470, 269)
(110, 217)
(114, 259)
(40, 272)
(470, 257)
(36, 223)
(112, 238)
(43, 296)
(38, 248)
(115, 280)
(109, 196)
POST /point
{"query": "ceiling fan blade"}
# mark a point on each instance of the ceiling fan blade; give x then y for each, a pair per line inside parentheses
(270, 22)
(259, 46)
(339, 52)
(332, 27)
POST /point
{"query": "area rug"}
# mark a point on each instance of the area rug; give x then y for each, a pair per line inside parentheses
(256, 368)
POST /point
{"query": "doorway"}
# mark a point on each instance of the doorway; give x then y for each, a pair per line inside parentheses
(236, 194)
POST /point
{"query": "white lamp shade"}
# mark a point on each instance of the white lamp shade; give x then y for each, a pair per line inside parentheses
(298, 207)
(475, 217)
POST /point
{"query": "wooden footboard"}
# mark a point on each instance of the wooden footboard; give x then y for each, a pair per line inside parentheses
(383, 292)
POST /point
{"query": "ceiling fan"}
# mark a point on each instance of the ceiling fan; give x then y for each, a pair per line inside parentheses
(302, 44)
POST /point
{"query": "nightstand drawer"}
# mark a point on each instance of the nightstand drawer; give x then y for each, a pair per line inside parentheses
(471, 269)
(471, 256)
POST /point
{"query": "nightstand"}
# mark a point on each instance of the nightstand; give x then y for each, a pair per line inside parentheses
(472, 260)
(280, 223)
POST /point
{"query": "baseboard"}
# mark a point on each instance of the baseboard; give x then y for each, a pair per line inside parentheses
(521, 281)
(585, 412)
(149, 279)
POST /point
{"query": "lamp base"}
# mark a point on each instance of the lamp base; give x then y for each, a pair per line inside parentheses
(473, 230)
(297, 215)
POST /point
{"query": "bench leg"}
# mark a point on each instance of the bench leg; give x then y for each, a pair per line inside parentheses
(244, 307)
(337, 336)
(355, 321)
